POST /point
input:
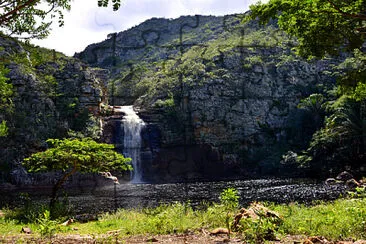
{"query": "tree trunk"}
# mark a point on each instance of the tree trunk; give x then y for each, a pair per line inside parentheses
(56, 188)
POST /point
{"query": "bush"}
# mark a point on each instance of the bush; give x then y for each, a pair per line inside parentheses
(47, 226)
(230, 198)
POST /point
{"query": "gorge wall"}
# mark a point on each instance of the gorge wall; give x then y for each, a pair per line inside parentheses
(53, 94)
(219, 97)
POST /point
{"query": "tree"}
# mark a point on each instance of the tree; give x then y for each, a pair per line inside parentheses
(33, 18)
(321, 26)
(314, 104)
(329, 27)
(75, 155)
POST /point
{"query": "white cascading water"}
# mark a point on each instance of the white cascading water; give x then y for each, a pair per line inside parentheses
(132, 125)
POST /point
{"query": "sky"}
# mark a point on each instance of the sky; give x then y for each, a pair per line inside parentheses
(86, 23)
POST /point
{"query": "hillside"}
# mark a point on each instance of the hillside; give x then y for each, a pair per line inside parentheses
(222, 96)
(52, 95)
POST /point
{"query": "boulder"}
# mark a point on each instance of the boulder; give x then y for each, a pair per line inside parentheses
(360, 242)
(219, 231)
(344, 176)
(26, 230)
(254, 212)
(331, 181)
(316, 240)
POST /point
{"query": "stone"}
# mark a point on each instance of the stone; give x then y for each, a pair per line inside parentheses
(316, 240)
(360, 242)
(152, 239)
(344, 176)
(219, 231)
(84, 218)
(26, 230)
(330, 181)
(68, 222)
(254, 212)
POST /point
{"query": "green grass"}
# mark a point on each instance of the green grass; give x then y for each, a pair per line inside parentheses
(338, 220)
(341, 219)
(165, 219)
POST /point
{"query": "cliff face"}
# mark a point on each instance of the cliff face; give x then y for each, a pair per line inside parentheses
(52, 95)
(219, 97)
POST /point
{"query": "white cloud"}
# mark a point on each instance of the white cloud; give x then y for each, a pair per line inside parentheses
(86, 23)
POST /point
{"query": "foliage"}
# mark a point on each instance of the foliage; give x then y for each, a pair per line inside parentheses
(33, 18)
(313, 103)
(359, 192)
(6, 89)
(230, 198)
(321, 27)
(340, 141)
(167, 103)
(259, 230)
(3, 129)
(47, 226)
(324, 28)
(75, 155)
(6, 105)
(85, 156)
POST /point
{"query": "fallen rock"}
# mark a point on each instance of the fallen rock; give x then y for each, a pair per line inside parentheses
(84, 218)
(316, 240)
(331, 181)
(113, 232)
(68, 222)
(344, 176)
(152, 239)
(254, 212)
(219, 231)
(360, 242)
(26, 230)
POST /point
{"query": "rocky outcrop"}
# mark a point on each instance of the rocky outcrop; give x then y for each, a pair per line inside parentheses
(222, 96)
(51, 97)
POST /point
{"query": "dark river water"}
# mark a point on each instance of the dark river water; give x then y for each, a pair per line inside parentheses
(108, 197)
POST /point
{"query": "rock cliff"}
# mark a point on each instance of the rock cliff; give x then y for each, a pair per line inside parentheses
(53, 94)
(219, 97)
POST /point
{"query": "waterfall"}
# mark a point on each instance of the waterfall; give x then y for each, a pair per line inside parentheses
(132, 126)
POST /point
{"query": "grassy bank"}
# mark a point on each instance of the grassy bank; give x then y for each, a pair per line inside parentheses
(338, 220)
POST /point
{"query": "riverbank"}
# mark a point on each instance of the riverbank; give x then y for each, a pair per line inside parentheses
(339, 220)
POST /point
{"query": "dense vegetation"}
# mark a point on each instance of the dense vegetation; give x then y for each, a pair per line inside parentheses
(337, 29)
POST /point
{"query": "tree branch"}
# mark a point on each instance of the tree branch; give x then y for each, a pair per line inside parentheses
(8, 16)
(339, 10)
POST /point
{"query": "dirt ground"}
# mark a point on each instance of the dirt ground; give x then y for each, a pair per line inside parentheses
(191, 238)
